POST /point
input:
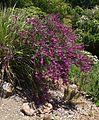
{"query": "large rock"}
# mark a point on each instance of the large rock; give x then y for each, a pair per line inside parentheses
(27, 110)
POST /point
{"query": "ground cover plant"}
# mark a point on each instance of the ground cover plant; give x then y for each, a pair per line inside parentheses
(90, 84)
(87, 82)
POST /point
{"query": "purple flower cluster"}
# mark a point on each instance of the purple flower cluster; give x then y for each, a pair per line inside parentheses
(54, 48)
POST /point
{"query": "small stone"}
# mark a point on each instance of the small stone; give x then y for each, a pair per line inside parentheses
(27, 110)
(7, 89)
(21, 113)
(73, 86)
(47, 117)
(47, 108)
(57, 118)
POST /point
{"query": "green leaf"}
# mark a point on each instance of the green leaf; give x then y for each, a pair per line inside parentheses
(97, 103)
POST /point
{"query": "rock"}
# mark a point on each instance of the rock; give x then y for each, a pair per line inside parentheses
(7, 89)
(27, 110)
(46, 108)
(57, 118)
(47, 117)
(73, 86)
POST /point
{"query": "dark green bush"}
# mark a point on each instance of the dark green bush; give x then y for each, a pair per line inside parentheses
(53, 6)
(83, 3)
(17, 3)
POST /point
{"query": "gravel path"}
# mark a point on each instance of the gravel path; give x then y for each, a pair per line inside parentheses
(84, 110)
(10, 110)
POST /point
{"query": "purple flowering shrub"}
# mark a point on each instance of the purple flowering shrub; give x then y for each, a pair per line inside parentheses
(53, 51)
(48, 49)
(54, 48)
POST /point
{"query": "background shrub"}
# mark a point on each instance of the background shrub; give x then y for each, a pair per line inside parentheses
(29, 12)
(83, 3)
(17, 3)
(86, 24)
(53, 6)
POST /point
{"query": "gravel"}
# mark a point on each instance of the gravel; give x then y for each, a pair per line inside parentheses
(82, 109)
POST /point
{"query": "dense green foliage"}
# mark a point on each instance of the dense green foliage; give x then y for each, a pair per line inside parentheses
(87, 82)
(90, 83)
(29, 12)
(86, 24)
(83, 3)
(53, 6)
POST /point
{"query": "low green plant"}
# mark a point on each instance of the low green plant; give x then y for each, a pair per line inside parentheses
(90, 84)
